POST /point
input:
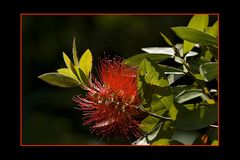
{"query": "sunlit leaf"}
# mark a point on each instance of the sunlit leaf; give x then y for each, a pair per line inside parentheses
(69, 64)
(82, 77)
(67, 61)
(213, 30)
(198, 22)
(85, 63)
(195, 36)
(209, 71)
(74, 51)
(68, 72)
(166, 39)
(58, 79)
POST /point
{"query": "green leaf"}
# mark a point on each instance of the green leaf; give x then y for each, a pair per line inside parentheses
(215, 143)
(169, 69)
(67, 72)
(58, 79)
(175, 142)
(174, 77)
(82, 77)
(213, 30)
(198, 76)
(164, 135)
(198, 22)
(187, 95)
(149, 123)
(201, 117)
(183, 93)
(209, 71)
(154, 88)
(195, 36)
(162, 141)
(137, 59)
(86, 63)
(74, 51)
(156, 133)
(196, 63)
(166, 39)
(213, 136)
(67, 61)
(69, 64)
(206, 52)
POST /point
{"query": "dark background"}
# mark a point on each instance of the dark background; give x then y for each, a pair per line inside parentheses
(49, 116)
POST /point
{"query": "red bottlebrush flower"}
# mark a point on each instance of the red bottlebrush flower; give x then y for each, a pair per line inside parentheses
(111, 105)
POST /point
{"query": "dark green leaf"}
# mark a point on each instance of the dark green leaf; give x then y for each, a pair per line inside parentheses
(58, 79)
(185, 137)
(183, 93)
(137, 59)
(169, 69)
(205, 51)
(164, 135)
(210, 137)
(196, 63)
(195, 36)
(174, 77)
(201, 117)
(187, 95)
(154, 88)
(209, 71)
(175, 142)
(213, 136)
(200, 140)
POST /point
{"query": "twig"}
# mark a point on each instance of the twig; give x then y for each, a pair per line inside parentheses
(148, 133)
(158, 116)
(154, 115)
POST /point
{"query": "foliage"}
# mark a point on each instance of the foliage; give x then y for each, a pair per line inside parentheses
(188, 106)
